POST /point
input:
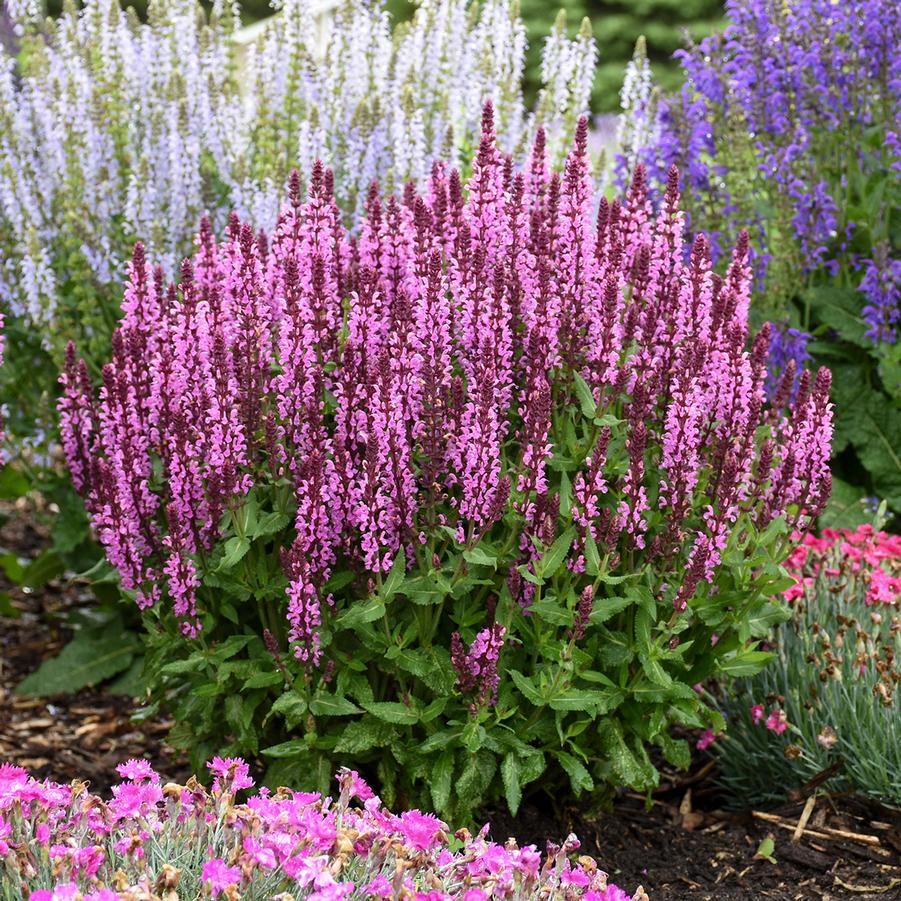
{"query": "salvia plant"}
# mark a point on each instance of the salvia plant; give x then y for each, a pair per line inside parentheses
(113, 130)
(829, 703)
(787, 127)
(473, 498)
(155, 841)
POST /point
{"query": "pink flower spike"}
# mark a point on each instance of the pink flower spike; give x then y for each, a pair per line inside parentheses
(706, 740)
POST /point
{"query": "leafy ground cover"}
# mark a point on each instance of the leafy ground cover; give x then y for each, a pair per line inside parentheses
(684, 847)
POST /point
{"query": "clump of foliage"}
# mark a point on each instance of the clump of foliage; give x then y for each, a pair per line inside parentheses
(787, 126)
(472, 500)
(155, 842)
(830, 700)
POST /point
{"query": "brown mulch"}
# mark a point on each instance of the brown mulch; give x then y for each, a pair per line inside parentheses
(78, 736)
(679, 850)
(685, 847)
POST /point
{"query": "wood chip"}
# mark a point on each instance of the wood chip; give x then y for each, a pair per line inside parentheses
(823, 832)
(805, 816)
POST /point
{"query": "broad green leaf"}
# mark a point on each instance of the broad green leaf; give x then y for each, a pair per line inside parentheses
(82, 662)
(550, 562)
(479, 556)
(264, 680)
(628, 769)
(363, 734)
(292, 707)
(269, 524)
(441, 781)
(606, 608)
(233, 552)
(581, 700)
(394, 712)
(527, 687)
(6, 607)
(745, 663)
(395, 577)
(550, 611)
(511, 775)
(332, 705)
(586, 398)
(579, 777)
(287, 749)
(361, 612)
(42, 569)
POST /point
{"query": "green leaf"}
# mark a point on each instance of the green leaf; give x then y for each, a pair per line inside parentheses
(441, 781)
(6, 607)
(290, 706)
(264, 680)
(332, 705)
(745, 663)
(511, 776)
(586, 398)
(627, 768)
(607, 608)
(550, 562)
(395, 577)
(394, 712)
(579, 777)
(550, 611)
(478, 556)
(132, 683)
(42, 569)
(82, 662)
(582, 700)
(765, 850)
(287, 749)
(233, 552)
(527, 687)
(363, 734)
(361, 612)
(269, 524)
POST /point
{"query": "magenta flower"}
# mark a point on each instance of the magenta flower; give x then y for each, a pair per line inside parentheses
(233, 773)
(421, 831)
(777, 721)
(220, 876)
(137, 771)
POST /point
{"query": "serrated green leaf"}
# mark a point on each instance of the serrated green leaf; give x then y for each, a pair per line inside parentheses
(269, 524)
(527, 687)
(361, 612)
(290, 706)
(287, 749)
(586, 398)
(263, 680)
(363, 734)
(479, 556)
(442, 780)
(607, 608)
(332, 705)
(84, 661)
(511, 775)
(42, 569)
(395, 577)
(550, 611)
(233, 552)
(550, 562)
(579, 777)
(394, 712)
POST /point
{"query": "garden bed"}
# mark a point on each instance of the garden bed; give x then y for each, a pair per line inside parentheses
(685, 846)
